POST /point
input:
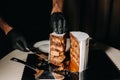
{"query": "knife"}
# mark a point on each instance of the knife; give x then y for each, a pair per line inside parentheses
(43, 65)
(47, 68)
(23, 62)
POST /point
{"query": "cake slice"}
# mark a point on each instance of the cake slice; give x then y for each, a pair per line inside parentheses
(57, 49)
(79, 42)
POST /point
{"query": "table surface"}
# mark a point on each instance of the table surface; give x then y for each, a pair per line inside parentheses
(10, 70)
(102, 64)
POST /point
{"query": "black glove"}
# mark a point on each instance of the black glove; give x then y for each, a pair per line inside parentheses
(16, 40)
(58, 23)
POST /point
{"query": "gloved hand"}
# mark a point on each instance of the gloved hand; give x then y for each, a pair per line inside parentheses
(16, 40)
(58, 23)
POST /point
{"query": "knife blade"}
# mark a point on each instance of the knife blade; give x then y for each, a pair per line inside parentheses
(43, 65)
(23, 62)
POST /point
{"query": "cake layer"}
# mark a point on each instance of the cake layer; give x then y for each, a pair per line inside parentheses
(57, 49)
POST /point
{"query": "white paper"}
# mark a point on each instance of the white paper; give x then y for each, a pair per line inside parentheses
(10, 70)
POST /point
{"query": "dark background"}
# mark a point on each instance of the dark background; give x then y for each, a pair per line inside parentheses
(30, 17)
(99, 18)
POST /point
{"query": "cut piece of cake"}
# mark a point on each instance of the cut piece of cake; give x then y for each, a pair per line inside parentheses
(57, 49)
(79, 42)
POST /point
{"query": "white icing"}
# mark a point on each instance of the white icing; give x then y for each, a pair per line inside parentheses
(80, 35)
(83, 39)
(58, 34)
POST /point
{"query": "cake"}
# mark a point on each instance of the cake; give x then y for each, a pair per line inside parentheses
(57, 49)
(78, 51)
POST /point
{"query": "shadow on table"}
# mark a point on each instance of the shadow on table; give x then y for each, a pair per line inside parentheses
(100, 67)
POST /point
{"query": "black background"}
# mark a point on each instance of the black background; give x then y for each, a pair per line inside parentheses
(30, 17)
